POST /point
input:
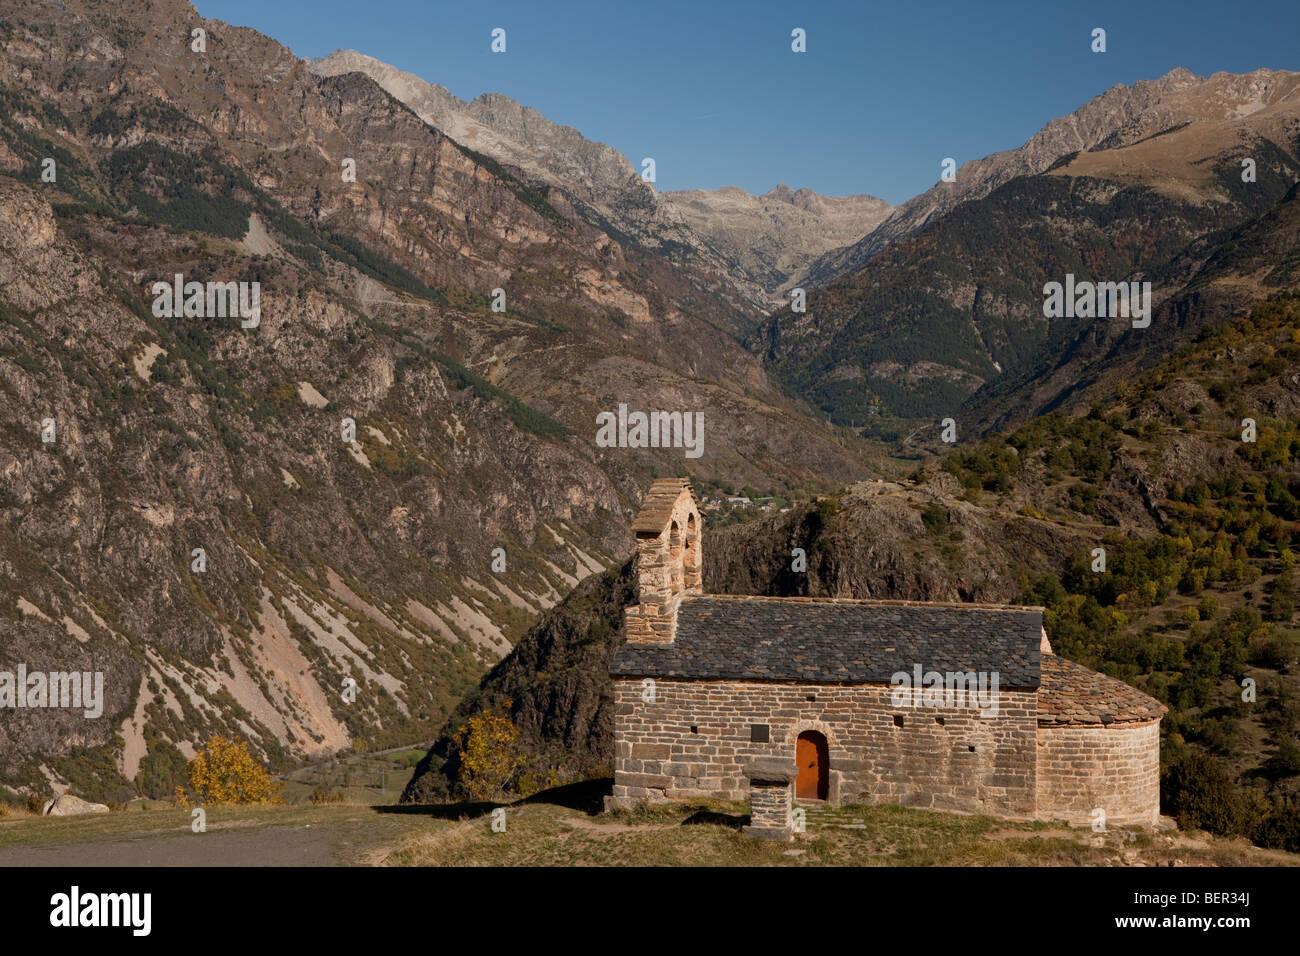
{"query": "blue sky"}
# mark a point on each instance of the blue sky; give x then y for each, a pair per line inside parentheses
(712, 91)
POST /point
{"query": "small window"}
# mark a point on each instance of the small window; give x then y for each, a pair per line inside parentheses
(695, 729)
(811, 697)
(939, 721)
(898, 720)
(759, 733)
(971, 748)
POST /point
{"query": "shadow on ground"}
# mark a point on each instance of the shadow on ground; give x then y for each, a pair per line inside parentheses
(732, 820)
(442, 811)
(586, 796)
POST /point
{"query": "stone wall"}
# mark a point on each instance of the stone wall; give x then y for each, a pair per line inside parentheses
(669, 563)
(771, 798)
(1115, 767)
(770, 803)
(696, 738)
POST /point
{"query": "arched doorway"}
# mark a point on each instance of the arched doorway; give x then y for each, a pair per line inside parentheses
(811, 756)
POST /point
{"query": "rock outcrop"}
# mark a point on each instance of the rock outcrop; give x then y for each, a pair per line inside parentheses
(69, 806)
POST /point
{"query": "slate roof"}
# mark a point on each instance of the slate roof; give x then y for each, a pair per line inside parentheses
(832, 640)
(1073, 694)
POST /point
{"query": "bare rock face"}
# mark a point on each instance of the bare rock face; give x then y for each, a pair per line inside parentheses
(510, 133)
(1121, 116)
(69, 806)
(600, 181)
(776, 236)
(759, 244)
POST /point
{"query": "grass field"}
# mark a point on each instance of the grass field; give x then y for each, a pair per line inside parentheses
(562, 827)
(374, 779)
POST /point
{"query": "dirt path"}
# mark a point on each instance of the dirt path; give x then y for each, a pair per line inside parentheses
(261, 846)
(337, 835)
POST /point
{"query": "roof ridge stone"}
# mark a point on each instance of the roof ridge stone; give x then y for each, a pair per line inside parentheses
(871, 602)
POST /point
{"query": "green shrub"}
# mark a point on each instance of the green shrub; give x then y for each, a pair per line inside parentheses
(1281, 597)
(1280, 830)
(161, 771)
(935, 518)
(1198, 792)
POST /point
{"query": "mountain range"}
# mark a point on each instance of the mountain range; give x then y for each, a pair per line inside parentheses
(760, 245)
(395, 471)
(328, 554)
(939, 311)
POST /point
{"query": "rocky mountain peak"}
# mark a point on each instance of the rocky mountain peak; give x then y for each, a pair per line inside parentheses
(777, 235)
(600, 181)
(1119, 117)
(499, 126)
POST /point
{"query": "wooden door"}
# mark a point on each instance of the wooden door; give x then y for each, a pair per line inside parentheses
(810, 756)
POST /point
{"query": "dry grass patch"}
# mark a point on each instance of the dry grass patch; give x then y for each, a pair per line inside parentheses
(708, 834)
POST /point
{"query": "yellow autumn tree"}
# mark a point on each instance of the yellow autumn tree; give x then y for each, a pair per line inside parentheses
(225, 772)
(489, 758)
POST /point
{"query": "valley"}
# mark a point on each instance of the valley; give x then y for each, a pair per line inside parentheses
(314, 377)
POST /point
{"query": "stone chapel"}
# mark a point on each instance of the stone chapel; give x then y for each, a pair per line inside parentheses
(957, 707)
